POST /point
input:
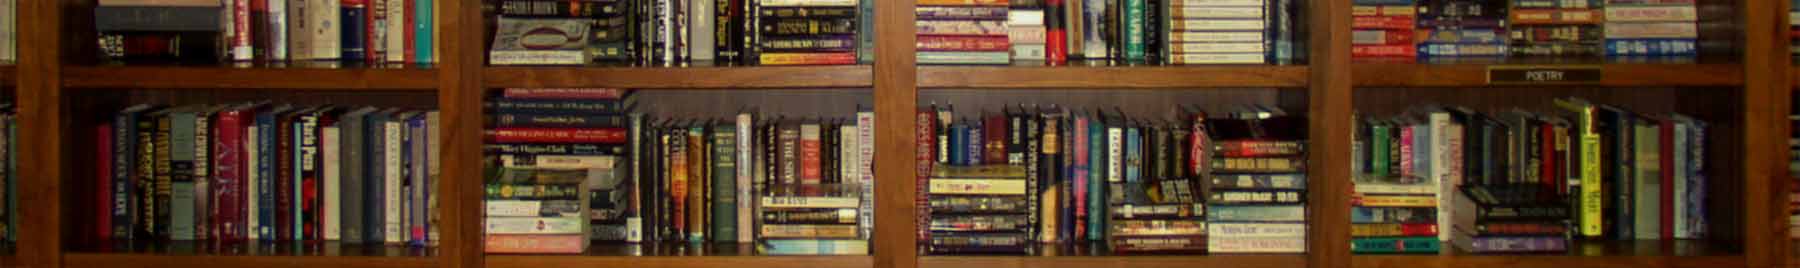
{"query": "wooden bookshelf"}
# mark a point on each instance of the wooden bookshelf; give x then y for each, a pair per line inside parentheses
(185, 254)
(674, 255)
(1135, 77)
(1598, 254)
(786, 77)
(1151, 261)
(252, 77)
(9, 74)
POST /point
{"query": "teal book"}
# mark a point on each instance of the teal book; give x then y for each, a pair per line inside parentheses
(422, 30)
(1096, 206)
(1134, 30)
(1411, 244)
(724, 183)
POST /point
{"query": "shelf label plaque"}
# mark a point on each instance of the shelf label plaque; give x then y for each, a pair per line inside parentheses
(1543, 75)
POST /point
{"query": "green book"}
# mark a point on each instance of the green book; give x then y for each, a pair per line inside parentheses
(1379, 145)
(181, 177)
(724, 183)
(1134, 30)
(1410, 244)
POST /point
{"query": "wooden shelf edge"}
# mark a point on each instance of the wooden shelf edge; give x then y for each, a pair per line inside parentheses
(10, 261)
(1076, 77)
(1151, 261)
(149, 77)
(541, 261)
(9, 75)
(1507, 261)
(757, 77)
(1613, 75)
(117, 260)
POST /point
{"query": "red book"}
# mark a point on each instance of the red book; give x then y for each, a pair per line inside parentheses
(994, 128)
(374, 13)
(924, 155)
(811, 155)
(410, 42)
(556, 135)
(964, 43)
(564, 93)
(1360, 51)
(1548, 177)
(103, 183)
(226, 206)
(1418, 229)
(1383, 37)
(1056, 35)
(1382, 22)
(284, 178)
(259, 37)
(534, 244)
(1666, 161)
(240, 29)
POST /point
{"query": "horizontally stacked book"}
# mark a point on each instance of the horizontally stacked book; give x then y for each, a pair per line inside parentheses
(1518, 181)
(1384, 29)
(1652, 27)
(682, 32)
(371, 31)
(964, 32)
(556, 170)
(1257, 201)
(268, 172)
(999, 182)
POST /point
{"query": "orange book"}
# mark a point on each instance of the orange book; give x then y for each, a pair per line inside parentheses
(829, 58)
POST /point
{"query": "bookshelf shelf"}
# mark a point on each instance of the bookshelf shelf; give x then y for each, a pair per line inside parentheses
(1613, 74)
(764, 77)
(1236, 261)
(185, 254)
(1052, 77)
(198, 77)
(674, 255)
(1581, 254)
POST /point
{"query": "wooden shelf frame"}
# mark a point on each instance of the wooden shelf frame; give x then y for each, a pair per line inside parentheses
(44, 79)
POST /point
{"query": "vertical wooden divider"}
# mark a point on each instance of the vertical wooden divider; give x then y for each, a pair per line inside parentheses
(459, 103)
(1766, 103)
(39, 96)
(896, 98)
(1328, 134)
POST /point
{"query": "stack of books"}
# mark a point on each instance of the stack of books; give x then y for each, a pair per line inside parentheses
(536, 203)
(1555, 28)
(1263, 143)
(608, 31)
(372, 31)
(541, 41)
(1515, 218)
(979, 208)
(269, 172)
(1651, 28)
(1162, 206)
(807, 32)
(818, 219)
(1383, 29)
(1462, 28)
(1025, 29)
(963, 32)
(579, 131)
(1395, 208)
(1206, 32)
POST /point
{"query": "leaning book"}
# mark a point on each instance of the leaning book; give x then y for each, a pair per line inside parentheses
(523, 41)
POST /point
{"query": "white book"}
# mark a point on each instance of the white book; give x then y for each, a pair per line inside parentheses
(250, 177)
(395, 42)
(432, 133)
(238, 29)
(330, 151)
(745, 170)
(324, 37)
(1439, 168)
(865, 157)
(9, 30)
(808, 3)
(278, 38)
(300, 28)
(1680, 152)
(391, 182)
(700, 29)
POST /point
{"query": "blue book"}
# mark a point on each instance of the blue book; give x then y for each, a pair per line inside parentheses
(351, 39)
(1096, 205)
(958, 143)
(374, 192)
(419, 204)
(266, 171)
(1134, 156)
(1652, 47)
(124, 155)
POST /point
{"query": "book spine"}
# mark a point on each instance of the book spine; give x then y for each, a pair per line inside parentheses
(228, 210)
(1395, 245)
(1517, 244)
(124, 152)
(959, 27)
(1636, 47)
(375, 30)
(1393, 229)
(534, 225)
(1651, 30)
(353, 35)
(1555, 16)
(391, 180)
(1618, 13)
(963, 43)
(1218, 244)
(1256, 230)
(530, 120)
(925, 135)
(1398, 22)
(1482, 36)
(564, 135)
(724, 187)
(1257, 213)
(534, 244)
(1382, 37)
(864, 141)
(103, 182)
(331, 209)
(832, 58)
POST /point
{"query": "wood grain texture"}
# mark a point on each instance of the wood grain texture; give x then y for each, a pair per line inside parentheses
(1511, 261)
(896, 100)
(109, 260)
(1614, 75)
(1765, 130)
(9, 75)
(1220, 261)
(518, 261)
(459, 96)
(848, 76)
(1329, 135)
(41, 146)
(1052, 77)
(178, 77)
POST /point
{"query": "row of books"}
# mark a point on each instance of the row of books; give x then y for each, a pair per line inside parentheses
(998, 183)
(273, 31)
(684, 32)
(268, 172)
(1123, 31)
(1517, 181)
(1494, 28)
(794, 186)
